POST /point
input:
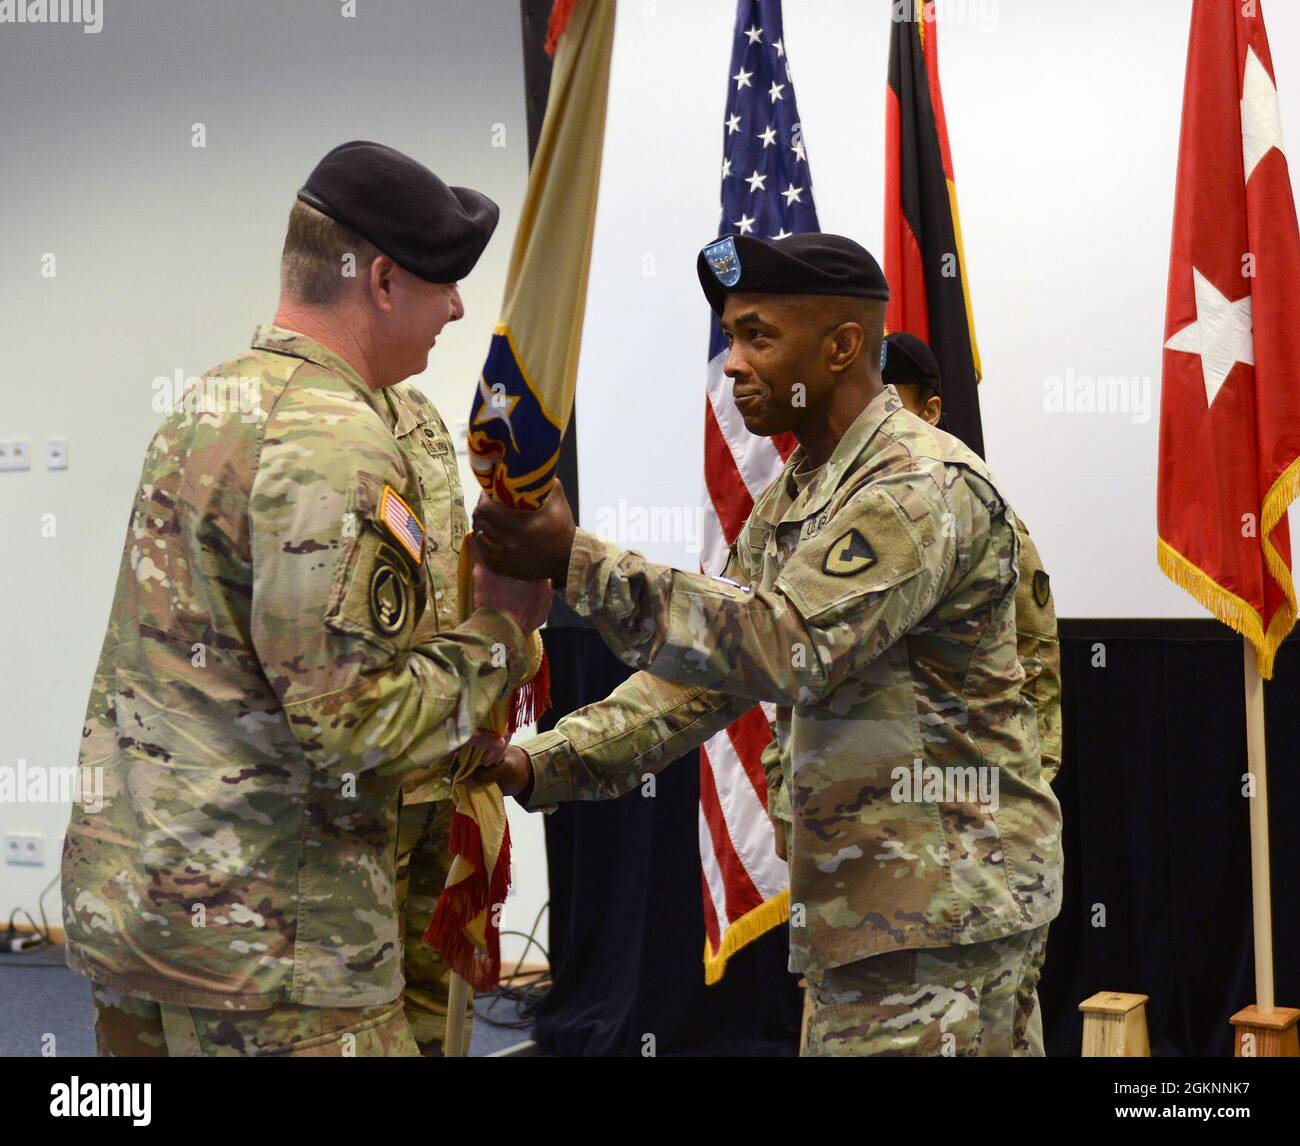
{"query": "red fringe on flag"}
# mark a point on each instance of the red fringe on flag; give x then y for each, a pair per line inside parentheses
(457, 905)
(531, 699)
(561, 10)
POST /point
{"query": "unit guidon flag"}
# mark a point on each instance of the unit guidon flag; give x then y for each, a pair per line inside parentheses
(521, 408)
(525, 393)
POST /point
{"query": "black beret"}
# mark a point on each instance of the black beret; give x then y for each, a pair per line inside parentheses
(809, 263)
(907, 359)
(426, 227)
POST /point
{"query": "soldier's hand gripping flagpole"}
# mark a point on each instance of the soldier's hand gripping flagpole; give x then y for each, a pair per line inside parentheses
(519, 414)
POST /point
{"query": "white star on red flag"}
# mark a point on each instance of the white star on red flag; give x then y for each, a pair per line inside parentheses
(1221, 335)
(1261, 115)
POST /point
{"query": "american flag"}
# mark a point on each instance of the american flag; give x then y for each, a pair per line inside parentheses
(766, 193)
(403, 524)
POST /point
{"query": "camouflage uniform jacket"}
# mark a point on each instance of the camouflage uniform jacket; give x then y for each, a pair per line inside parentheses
(1039, 648)
(279, 655)
(876, 608)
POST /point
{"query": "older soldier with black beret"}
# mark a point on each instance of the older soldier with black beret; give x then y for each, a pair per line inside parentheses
(871, 597)
(285, 650)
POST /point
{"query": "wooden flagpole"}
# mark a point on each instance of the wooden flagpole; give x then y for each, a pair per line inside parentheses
(1263, 1030)
(1260, 881)
(453, 1042)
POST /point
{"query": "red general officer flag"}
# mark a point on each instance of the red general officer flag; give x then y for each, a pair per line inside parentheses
(1230, 394)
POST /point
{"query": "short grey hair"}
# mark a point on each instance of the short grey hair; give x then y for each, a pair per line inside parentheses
(313, 269)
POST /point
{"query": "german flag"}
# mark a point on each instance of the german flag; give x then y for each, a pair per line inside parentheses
(924, 260)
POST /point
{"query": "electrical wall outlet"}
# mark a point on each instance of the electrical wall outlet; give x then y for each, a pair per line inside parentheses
(56, 454)
(25, 849)
(15, 455)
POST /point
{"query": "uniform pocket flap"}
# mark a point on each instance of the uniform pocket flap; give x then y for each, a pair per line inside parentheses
(869, 546)
(378, 589)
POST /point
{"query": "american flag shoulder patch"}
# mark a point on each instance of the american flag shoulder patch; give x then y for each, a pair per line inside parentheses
(398, 518)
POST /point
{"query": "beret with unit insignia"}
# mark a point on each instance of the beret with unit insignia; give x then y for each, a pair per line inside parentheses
(432, 230)
(810, 263)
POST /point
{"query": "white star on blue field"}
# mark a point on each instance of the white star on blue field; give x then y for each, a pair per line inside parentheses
(766, 187)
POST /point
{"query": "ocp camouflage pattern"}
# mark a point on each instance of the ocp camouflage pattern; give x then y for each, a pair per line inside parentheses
(876, 609)
(1039, 647)
(276, 662)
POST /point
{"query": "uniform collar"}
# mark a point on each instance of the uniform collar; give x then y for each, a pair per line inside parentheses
(849, 453)
(278, 340)
(407, 414)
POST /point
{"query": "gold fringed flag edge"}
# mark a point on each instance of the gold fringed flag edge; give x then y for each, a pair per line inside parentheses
(532, 699)
(461, 902)
(472, 891)
(750, 926)
(1234, 611)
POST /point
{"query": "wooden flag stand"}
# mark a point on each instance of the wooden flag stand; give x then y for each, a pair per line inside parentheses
(1262, 1030)
(1115, 1025)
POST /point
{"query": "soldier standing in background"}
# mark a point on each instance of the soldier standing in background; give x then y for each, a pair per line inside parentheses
(912, 369)
(871, 597)
(283, 650)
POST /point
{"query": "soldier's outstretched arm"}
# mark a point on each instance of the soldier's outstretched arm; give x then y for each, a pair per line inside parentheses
(843, 597)
(605, 749)
(337, 592)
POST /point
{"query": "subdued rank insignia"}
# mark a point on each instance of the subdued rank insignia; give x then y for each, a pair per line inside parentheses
(1042, 588)
(405, 527)
(723, 261)
(849, 554)
(390, 592)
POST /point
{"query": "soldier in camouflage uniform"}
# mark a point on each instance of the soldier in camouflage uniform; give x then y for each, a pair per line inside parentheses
(912, 369)
(871, 597)
(283, 652)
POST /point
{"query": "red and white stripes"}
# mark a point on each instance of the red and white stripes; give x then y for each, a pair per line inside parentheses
(745, 885)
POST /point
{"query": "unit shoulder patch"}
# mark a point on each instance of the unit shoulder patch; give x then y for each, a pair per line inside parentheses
(848, 554)
(389, 592)
(866, 549)
(1042, 587)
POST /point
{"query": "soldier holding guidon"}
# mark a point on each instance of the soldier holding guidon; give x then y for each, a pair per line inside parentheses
(283, 656)
(872, 597)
